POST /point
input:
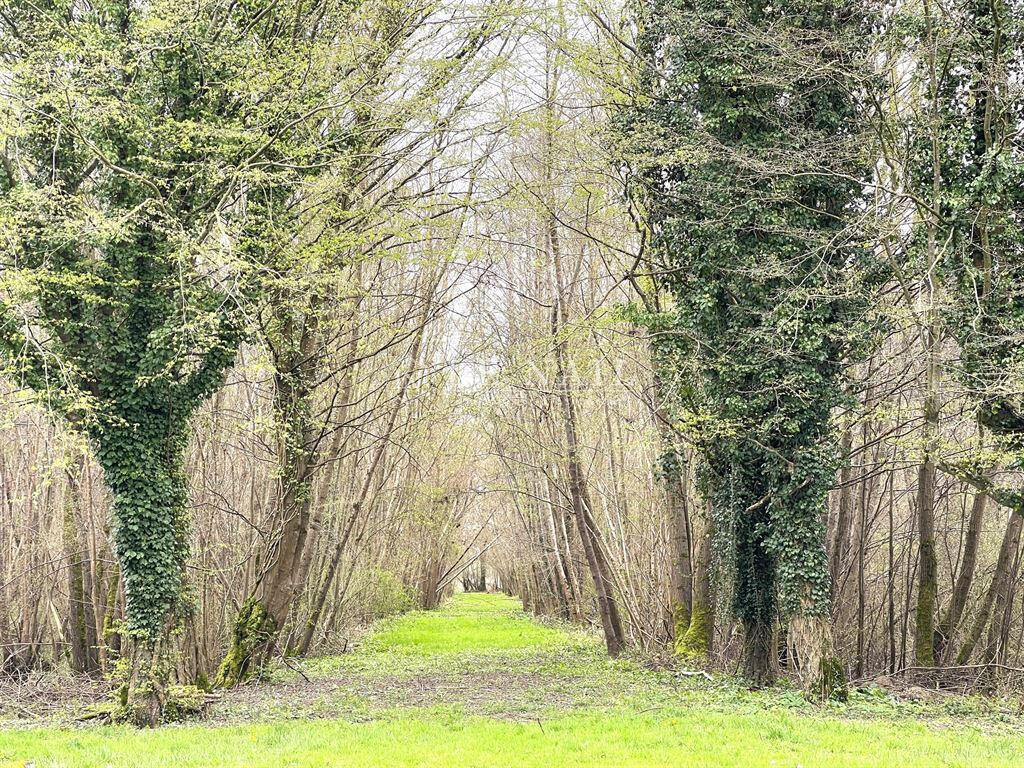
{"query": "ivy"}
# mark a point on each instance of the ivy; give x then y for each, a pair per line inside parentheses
(153, 142)
(741, 144)
(979, 109)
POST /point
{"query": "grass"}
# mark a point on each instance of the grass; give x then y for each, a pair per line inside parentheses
(473, 623)
(478, 683)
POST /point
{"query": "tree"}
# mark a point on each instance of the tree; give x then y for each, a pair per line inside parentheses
(360, 207)
(141, 145)
(973, 187)
(741, 136)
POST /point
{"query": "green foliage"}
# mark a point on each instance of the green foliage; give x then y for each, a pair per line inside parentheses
(975, 120)
(741, 141)
(149, 139)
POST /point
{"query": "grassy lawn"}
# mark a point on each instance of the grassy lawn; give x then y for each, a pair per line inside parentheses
(478, 683)
(471, 623)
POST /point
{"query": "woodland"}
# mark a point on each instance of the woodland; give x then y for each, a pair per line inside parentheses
(695, 326)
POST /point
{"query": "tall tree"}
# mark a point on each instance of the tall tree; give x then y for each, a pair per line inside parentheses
(976, 104)
(741, 134)
(363, 204)
(140, 142)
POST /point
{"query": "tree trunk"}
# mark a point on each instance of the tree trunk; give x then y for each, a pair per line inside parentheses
(81, 614)
(760, 659)
(266, 610)
(696, 643)
(927, 584)
(841, 535)
(820, 668)
(1002, 599)
(1007, 554)
(681, 577)
(927, 577)
(143, 468)
(964, 579)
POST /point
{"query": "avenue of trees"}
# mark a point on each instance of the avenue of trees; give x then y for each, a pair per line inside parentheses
(699, 322)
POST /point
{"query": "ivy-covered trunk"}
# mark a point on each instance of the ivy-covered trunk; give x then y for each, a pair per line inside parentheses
(142, 461)
(755, 595)
(130, 240)
(750, 179)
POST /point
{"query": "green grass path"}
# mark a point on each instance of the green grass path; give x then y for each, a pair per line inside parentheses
(478, 684)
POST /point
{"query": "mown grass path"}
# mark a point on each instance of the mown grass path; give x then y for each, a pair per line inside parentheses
(478, 683)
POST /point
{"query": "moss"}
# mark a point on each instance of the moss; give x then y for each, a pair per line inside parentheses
(202, 682)
(253, 629)
(695, 644)
(680, 621)
(184, 702)
(832, 680)
(924, 638)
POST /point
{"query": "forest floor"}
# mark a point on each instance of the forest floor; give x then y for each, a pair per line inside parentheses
(479, 683)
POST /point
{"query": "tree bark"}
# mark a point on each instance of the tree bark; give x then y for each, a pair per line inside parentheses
(760, 658)
(927, 584)
(965, 578)
(696, 642)
(821, 671)
(997, 587)
(841, 535)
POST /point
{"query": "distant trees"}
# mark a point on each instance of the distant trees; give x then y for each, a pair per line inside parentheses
(387, 138)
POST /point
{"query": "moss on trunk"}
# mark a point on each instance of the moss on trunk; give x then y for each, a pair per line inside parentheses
(831, 683)
(695, 643)
(254, 628)
(680, 622)
(141, 682)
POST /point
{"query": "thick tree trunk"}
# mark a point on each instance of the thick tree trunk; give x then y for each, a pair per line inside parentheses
(821, 671)
(696, 642)
(145, 692)
(760, 658)
(143, 470)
